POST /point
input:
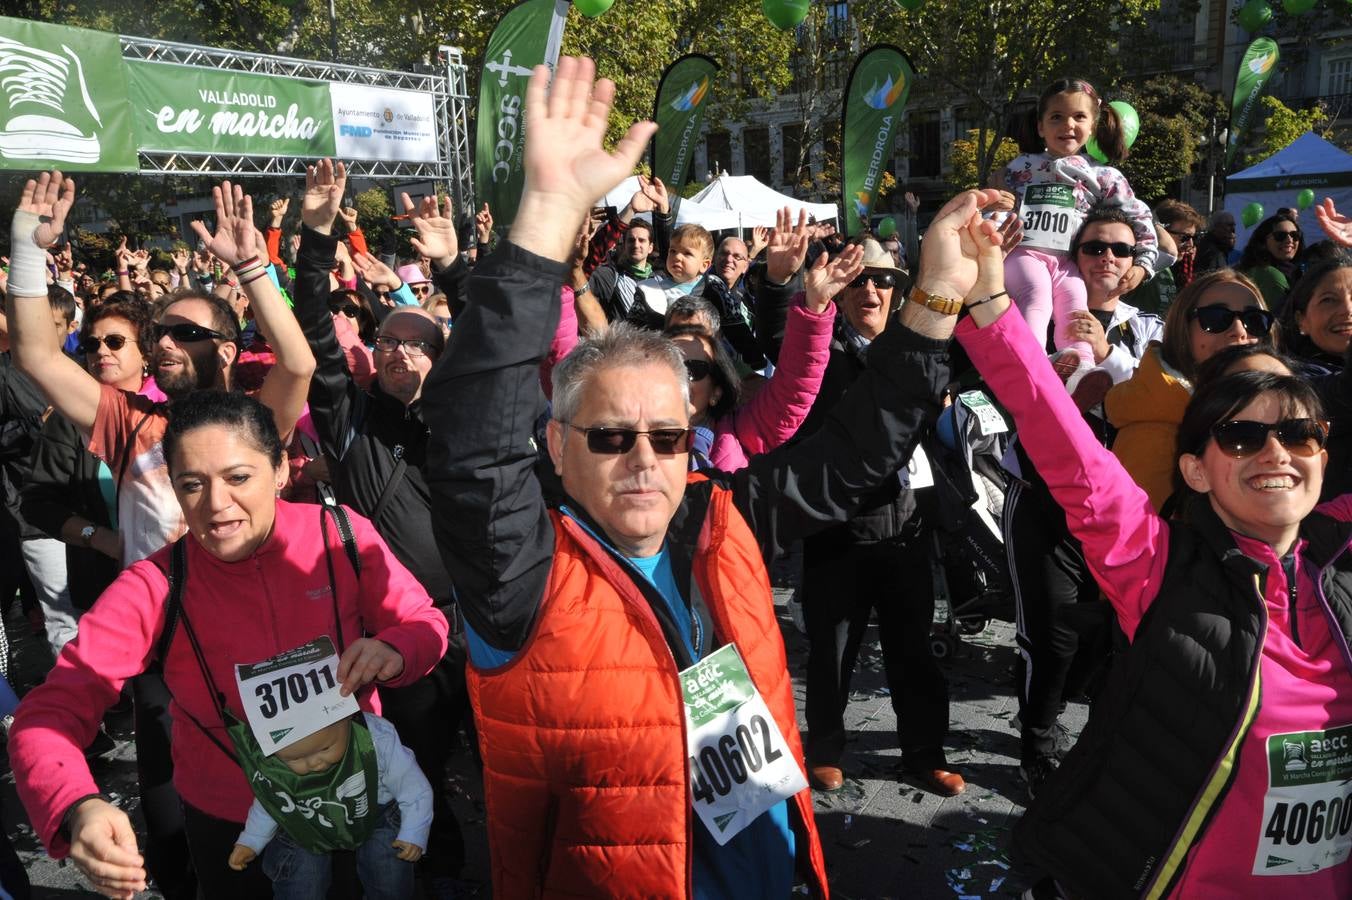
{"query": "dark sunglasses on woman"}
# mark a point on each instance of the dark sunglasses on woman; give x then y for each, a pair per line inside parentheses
(187, 333)
(351, 310)
(115, 343)
(881, 280)
(1218, 319)
(1120, 249)
(1282, 237)
(1241, 438)
(698, 369)
(614, 441)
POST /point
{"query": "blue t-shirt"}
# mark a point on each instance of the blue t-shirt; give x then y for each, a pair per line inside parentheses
(758, 861)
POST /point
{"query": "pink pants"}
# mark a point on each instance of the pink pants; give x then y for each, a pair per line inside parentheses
(1046, 287)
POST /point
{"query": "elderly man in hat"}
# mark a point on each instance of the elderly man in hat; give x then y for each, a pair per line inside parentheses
(876, 561)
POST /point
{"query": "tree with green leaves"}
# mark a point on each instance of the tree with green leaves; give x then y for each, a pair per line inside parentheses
(966, 152)
(1284, 124)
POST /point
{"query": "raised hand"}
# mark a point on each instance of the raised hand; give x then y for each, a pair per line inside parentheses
(483, 226)
(140, 260)
(181, 258)
(787, 249)
(949, 253)
(566, 166)
(324, 187)
(122, 255)
(436, 229)
(349, 215)
(760, 239)
(826, 279)
(642, 202)
(49, 197)
(374, 272)
(278, 209)
(1337, 226)
(234, 238)
(912, 202)
(656, 193)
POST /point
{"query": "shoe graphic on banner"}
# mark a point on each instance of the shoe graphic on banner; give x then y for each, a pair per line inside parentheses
(33, 82)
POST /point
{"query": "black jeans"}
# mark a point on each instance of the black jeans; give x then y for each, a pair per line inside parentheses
(167, 858)
(842, 584)
(211, 840)
(1051, 581)
(426, 715)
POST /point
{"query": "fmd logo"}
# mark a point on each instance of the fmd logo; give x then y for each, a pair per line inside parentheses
(359, 131)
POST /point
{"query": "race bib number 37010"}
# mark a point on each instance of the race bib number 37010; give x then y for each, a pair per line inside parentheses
(1049, 216)
(1307, 813)
(740, 764)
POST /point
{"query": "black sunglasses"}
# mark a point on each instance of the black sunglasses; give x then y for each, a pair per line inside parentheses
(91, 344)
(1283, 236)
(881, 280)
(614, 441)
(1120, 249)
(1240, 437)
(1182, 237)
(351, 310)
(698, 369)
(187, 333)
(1218, 319)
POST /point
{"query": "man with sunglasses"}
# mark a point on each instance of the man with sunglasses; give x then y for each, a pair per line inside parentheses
(376, 443)
(1179, 223)
(580, 619)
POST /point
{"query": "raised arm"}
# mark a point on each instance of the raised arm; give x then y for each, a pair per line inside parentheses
(38, 222)
(483, 396)
(287, 382)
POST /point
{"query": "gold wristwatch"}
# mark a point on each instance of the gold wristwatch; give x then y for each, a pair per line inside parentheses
(942, 305)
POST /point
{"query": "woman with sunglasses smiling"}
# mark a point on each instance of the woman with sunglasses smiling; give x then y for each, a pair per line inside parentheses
(1218, 742)
(1270, 258)
(726, 435)
(1317, 318)
(1217, 310)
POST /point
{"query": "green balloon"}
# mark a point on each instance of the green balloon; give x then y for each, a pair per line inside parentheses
(1251, 215)
(593, 8)
(1131, 123)
(1092, 148)
(1305, 199)
(1298, 7)
(1254, 15)
(887, 227)
(785, 14)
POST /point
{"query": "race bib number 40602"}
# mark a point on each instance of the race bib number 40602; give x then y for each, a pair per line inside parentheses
(1307, 813)
(292, 695)
(740, 764)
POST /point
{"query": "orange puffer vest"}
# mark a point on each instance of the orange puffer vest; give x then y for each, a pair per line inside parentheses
(583, 732)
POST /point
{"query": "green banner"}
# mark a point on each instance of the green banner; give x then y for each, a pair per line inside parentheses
(528, 35)
(679, 114)
(1255, 68)
(184, 109)
(875, 97)
(65, 99)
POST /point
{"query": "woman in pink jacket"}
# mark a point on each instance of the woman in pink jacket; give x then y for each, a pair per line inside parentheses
(261, 577)
(1217, 762)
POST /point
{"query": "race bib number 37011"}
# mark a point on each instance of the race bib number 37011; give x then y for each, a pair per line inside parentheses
(292, 695)
(740, 764)
(1307, 813)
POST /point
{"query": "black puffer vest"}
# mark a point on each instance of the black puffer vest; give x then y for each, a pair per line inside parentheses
(1162, 743)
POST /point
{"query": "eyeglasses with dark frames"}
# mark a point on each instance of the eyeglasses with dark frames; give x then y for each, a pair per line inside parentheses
(413, 347)
(1241, 438)
(115, 343)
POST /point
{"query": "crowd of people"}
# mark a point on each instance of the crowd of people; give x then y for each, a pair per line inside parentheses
(315, 512)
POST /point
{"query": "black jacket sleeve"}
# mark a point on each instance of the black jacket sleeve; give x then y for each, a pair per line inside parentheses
(805, 486)
(772, 308)
(334, 397)
(736, 320)
(52, 493)
(480, 403)
(453, 281)
(662, 227)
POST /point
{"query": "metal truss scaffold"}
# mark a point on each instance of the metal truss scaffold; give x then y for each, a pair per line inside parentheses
(449, 92)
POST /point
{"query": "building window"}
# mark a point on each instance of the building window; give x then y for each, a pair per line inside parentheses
(718, 151)
(1337, 77)
(791, 136)
(756, 152)
(926, 161)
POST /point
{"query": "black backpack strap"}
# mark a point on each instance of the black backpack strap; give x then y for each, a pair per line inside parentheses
(387, 492)
(349, 539)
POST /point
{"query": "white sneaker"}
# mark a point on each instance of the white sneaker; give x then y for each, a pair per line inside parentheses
(35, 83)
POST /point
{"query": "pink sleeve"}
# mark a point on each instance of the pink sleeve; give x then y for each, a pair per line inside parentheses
(395, 608)
(1125, 543)
(62, 715)
(361, 364)
(1339, 508)
(565, 339)
(774, 414)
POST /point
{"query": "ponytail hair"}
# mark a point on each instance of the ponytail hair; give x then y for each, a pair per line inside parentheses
(1110, 136)
(1108, 130)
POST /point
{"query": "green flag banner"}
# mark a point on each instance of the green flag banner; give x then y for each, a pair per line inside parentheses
(193, 110)
(65, 99)
(528, 35)
(1255, 68)
(679, 114)
(875, 97)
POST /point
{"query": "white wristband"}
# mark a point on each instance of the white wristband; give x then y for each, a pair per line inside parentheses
(27, 261)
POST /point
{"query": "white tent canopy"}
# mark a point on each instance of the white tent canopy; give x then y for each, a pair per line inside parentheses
(687, 212)
(756, 203)
(1308, 162)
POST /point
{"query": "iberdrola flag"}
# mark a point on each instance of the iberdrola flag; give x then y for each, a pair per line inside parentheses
(679, 113)
(528, 35)
(1255, 68)
(875, 97)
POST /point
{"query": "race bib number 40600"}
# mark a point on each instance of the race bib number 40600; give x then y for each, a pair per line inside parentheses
(292, 695)
(740, 764)
(1307, 813)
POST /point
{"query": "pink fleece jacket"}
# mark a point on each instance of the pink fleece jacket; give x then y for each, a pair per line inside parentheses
(246, 611)
(772, 416)
(1306, 685)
